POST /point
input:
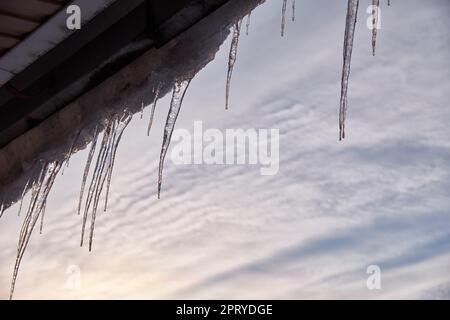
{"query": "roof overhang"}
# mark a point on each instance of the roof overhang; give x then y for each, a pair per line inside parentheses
(55, 65)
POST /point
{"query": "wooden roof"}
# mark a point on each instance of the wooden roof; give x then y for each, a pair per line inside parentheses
(19, 18)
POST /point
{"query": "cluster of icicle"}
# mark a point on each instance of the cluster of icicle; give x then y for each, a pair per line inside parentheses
(283, 15)
(236, 31)
(114, 128)
(350, 25)
(40, 189)
(115, 125)
(36, 211)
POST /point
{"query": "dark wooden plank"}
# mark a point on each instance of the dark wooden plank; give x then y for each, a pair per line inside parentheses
(7, 41)
(16, 27)
(28, 9)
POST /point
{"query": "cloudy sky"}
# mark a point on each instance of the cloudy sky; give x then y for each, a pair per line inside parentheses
(381, 197)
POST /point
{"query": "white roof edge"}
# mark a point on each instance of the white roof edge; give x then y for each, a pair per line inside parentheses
(46, 37)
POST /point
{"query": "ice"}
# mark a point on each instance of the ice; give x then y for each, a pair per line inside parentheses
(179, 91)
(96, 178)
(40, 190)
(122, 124)
(42, 217)
(247, 24)
(22, 196)
(232, 58)
(114, 128)
(2, 209)
(293, 10)
(375, 13)
(152, 112)
(69, 154)
(283, 17)
(87, 167)
(352, 13)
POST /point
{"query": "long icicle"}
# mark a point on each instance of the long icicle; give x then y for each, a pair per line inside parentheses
(283, 17)
(179, 91)
(101, 157)
(123, 123)
(42, 187)
(24, 191)
(35, 188)
(352, 13)
(232, 59)
(87, 167)
(293, 10)
(34, 196)
(117, 127)
(37, 185)
(376, 15)
(41, 227)
(114, 128)
(102, 177)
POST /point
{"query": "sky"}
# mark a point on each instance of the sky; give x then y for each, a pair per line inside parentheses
(380, 197)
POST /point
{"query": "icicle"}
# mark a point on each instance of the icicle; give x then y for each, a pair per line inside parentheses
(283, 17)
(40, 191)
(293, 10)
(37, 185)
(42, 217)
(123, 123)
(109, 160)
(232, 59)
(247, 24)
(142, 109)
(96, 176)
(2, 209)
(102, 173)
(152, 113)
(352, 13)
(117, 129)
(87, 167)
(179, 91)
(101, 180)
(24, 191)
(75, 139)
(34, 193)
(375, 13)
